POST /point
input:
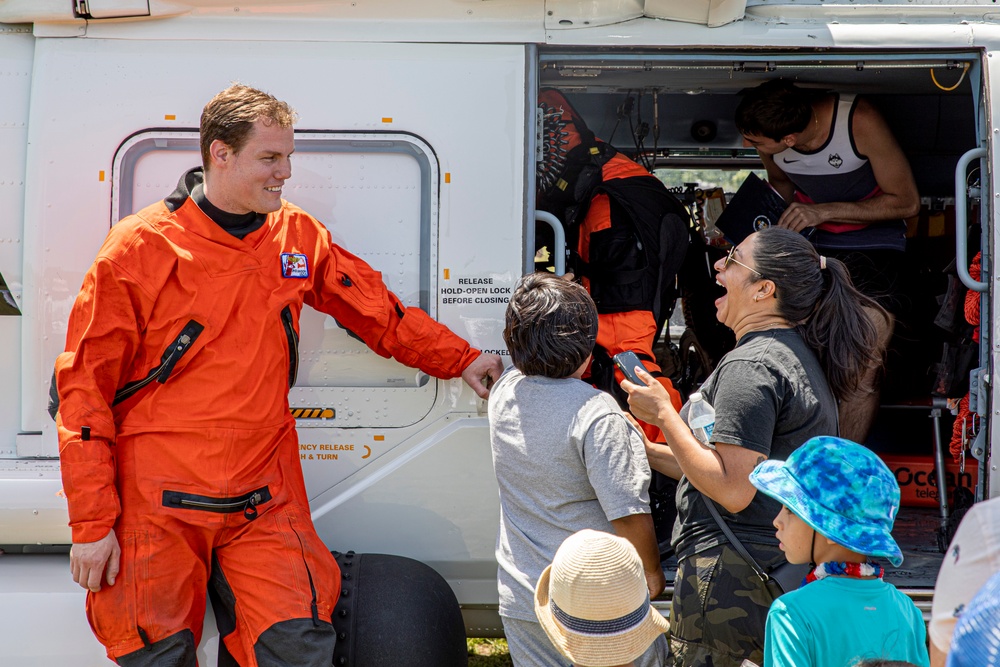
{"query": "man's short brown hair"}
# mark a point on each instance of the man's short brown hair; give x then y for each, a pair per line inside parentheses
(230, 116)
(551, 326)
(775, 109)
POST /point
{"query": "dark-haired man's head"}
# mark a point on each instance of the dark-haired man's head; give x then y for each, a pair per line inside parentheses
(551, 326)
(774, 110)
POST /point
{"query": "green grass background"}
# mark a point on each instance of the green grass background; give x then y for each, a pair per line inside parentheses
(488, 653)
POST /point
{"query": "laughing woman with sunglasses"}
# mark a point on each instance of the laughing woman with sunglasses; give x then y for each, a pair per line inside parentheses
(805, 339)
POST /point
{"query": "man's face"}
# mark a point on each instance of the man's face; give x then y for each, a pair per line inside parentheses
(766, 145)
(251, 180)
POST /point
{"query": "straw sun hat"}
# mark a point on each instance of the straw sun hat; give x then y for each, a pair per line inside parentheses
(593, 601)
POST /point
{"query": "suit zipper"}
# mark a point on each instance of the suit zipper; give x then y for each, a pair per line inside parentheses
(168, 360)
(293, 345)
(252, 500)
(247, 503)
(314, 605)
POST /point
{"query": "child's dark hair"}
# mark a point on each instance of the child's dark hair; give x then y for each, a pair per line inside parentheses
(551, 325)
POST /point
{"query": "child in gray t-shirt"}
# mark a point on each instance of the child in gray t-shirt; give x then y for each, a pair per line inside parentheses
(565, 457)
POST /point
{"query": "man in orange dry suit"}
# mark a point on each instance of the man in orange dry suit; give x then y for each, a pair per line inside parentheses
(621, 325)
(192, 483)
(617, 212)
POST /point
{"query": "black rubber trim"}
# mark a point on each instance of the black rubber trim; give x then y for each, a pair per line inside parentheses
(53, 406)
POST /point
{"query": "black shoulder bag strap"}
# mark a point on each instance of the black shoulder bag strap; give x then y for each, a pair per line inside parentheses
(742, 550)
(785, 577)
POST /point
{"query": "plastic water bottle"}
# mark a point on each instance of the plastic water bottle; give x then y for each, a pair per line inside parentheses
(701, 418)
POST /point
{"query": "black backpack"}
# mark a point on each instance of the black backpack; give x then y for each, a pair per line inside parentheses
(633, 263)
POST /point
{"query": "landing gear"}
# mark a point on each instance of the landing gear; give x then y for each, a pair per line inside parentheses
(396, 611)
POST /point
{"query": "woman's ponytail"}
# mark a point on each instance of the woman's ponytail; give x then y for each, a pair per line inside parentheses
(837, 321)
(843, 331)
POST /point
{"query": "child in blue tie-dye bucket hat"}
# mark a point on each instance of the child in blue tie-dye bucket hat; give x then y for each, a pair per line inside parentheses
(839, 503)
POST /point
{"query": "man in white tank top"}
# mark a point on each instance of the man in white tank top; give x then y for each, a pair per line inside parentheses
(834, 157)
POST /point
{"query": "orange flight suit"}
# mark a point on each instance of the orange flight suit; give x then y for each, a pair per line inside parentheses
(616, 332)
(198, 471)
(635, 329)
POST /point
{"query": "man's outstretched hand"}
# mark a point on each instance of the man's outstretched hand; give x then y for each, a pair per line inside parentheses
(482, 373)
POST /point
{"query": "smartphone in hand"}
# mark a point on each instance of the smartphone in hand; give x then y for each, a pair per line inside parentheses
(626, 362)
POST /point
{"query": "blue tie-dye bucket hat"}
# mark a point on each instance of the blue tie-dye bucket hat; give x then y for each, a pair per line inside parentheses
(841, 490)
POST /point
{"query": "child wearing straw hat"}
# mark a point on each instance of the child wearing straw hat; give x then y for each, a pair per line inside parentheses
(565, 458)
(839, 503)
(593, 603)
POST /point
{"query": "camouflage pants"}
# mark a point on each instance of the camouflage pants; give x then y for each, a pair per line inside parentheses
(718, 611)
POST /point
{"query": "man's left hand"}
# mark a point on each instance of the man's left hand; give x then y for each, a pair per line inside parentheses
(799, 216)
(91, 562)
(482, 373)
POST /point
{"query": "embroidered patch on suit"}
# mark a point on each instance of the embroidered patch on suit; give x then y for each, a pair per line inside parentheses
(294, 265)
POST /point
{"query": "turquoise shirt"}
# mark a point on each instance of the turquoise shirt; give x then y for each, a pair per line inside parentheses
(837, 621)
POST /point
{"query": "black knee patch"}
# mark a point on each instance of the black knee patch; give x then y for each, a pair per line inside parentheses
(177, 650)
(298, 642)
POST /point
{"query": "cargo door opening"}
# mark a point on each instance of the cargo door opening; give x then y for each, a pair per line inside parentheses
(674, 114)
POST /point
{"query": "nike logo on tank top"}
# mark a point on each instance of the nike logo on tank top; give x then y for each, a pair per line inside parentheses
(834, 171)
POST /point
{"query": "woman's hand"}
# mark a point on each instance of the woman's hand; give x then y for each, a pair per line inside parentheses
(651, 403)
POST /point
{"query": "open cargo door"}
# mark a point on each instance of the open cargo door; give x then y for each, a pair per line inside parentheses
(674, 113)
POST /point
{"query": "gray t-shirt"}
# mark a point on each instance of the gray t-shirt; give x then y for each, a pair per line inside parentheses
(770, 395)
(565, 459)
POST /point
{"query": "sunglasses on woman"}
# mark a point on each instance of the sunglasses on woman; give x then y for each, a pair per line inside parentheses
(731, 258)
